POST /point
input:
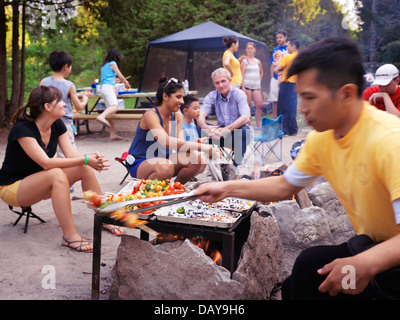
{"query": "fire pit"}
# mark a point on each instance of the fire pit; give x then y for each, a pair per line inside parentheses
(228, 235)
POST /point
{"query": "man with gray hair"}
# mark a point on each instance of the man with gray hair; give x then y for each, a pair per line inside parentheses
(233, 114)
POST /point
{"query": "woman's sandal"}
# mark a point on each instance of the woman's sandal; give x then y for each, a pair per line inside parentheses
(103, 121)
(79, 248)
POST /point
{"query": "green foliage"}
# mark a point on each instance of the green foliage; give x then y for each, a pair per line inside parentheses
(129, 25)
(387, 25)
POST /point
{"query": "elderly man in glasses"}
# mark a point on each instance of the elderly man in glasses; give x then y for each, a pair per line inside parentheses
(233, 115)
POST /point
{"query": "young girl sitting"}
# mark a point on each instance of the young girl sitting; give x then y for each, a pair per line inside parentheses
(159, 133)
(31, 173)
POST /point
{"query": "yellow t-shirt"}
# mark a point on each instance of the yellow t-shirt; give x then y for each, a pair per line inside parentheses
(235, 66)
(363, 169)
(285, 63)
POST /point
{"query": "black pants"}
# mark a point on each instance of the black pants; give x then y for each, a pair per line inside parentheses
(238, 140)
(287, 107)
(304, 281)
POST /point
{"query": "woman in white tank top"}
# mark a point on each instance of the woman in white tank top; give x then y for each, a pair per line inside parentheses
(252, 74)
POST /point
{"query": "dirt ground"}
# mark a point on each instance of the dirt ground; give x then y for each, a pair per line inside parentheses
(34, 266)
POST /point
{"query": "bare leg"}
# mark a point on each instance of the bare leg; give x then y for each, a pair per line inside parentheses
(89, 181)
(183, 167)
(249, 95)
(274, 110)
(52, 183)
(104, 115)
(156, 168)
(188, 166)
(257, 97)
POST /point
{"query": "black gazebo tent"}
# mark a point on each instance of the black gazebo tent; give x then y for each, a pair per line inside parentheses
(193, 54)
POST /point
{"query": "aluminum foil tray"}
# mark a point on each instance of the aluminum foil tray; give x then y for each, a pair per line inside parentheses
(231, 204)
(198, 214)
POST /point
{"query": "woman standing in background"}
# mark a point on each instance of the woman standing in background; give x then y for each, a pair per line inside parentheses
(230, 62)
(252, 73)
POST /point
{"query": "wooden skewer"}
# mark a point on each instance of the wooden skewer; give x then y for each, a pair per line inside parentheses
(148, 230)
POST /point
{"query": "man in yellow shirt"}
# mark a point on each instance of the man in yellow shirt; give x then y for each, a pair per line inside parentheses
(287, 97)
(356, 147)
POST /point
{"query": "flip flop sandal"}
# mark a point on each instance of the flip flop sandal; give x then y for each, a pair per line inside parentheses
(115, 138)
(104, 121)
(83, 243)
(113, 230)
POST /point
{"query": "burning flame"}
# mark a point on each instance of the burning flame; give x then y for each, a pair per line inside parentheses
(214, 254)
(204, 244)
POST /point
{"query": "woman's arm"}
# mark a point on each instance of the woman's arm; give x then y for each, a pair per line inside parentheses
(227, 66)
(243, 71)
(261, 70)
(150, 121)
(36, 153)
(120, 75)
(67, 148)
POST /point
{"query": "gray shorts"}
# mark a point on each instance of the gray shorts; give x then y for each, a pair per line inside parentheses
(71, 136)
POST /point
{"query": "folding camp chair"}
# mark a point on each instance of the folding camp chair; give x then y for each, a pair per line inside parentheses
(122, 160)
(25, 212)
(269, 139)
(227, 153)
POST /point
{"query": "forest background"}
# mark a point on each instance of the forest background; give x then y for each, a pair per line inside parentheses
(31, 29)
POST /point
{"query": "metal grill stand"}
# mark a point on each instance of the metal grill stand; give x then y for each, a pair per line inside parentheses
(231, 239)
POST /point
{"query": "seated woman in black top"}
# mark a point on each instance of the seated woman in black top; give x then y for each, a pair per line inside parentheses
(30, 173)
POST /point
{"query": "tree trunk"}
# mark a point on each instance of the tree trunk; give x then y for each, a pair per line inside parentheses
(15, 88)
(3, 66)
(373, 37)
(22, 85)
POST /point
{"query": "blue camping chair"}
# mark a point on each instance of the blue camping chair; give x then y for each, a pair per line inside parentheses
(269, 140)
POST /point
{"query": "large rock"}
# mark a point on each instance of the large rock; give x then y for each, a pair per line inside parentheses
(302, 228)
(260, 266)
(323, 195)
(174, 271)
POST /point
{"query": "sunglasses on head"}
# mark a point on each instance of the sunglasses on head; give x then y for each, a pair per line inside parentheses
(169, 81)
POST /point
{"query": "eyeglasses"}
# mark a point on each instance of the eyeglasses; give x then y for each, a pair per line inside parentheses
(169, 81)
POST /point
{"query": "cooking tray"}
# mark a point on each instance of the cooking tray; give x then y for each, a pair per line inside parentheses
(195, 214)
(222, 214)
(232, 204)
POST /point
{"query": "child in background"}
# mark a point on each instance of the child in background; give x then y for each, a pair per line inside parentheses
(109, 71)
(191, 112)
(274, 85)
(61, 64)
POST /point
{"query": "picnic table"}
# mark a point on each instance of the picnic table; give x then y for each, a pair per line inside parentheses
(83, 118)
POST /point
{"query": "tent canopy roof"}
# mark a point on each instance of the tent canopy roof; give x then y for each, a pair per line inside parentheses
(203, 37)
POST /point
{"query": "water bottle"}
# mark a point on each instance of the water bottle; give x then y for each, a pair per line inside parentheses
(186, 86)
(94, 87)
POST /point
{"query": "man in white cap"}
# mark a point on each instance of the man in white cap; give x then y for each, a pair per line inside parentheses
(385, 91)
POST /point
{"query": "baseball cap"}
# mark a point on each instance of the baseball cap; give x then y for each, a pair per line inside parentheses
(385, 74)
